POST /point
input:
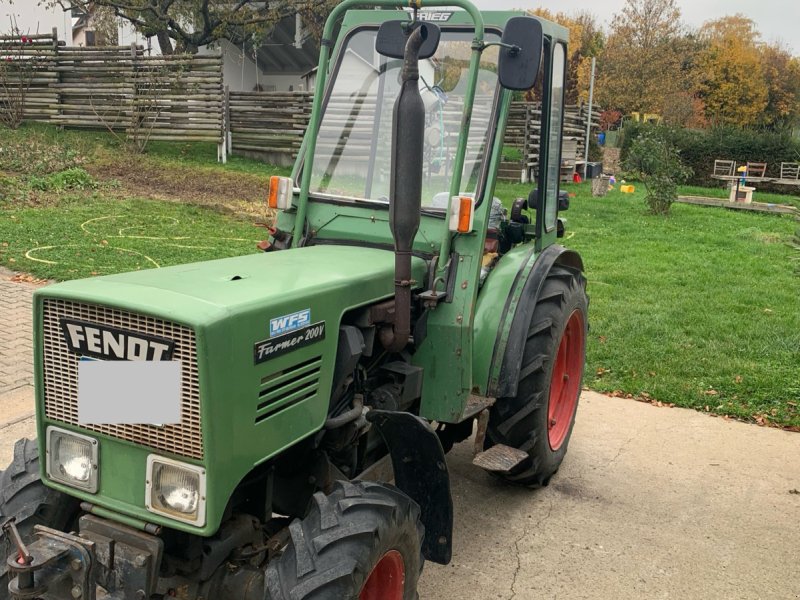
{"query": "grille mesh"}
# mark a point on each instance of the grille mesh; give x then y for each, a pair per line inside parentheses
(60, 370)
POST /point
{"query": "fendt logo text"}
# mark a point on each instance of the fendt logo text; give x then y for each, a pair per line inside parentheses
(290, 322)
(110, 343)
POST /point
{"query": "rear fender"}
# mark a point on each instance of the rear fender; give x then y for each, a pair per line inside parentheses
(503, 335)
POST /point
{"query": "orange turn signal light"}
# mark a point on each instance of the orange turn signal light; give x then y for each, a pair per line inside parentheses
(280, 192)
(462, 214)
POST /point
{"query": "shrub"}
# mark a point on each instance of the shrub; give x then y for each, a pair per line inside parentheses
(657, 163)
(71, 179)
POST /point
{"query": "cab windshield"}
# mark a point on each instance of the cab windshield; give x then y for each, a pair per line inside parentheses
(353, 152)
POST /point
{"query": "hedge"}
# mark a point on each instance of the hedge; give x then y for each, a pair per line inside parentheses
(699, 149)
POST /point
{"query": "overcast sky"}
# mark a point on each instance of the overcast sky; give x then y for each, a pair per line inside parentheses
(775, 19)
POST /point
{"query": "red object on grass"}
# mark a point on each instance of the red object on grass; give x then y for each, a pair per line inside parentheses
(576, 177)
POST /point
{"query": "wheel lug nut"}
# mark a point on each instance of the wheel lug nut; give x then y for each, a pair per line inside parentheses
(552, 422)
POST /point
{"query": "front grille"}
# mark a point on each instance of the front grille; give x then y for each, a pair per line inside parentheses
(60, 371)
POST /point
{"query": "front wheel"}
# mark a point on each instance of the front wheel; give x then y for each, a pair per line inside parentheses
(539, 419)
(361, 542)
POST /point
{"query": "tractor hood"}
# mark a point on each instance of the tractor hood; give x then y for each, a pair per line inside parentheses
(202, 293)
(257, 337)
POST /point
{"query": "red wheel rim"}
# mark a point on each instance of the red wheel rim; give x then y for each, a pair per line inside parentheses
(387, 580)
(566, 380)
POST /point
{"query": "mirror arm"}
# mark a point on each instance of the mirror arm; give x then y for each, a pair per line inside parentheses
(513, 49)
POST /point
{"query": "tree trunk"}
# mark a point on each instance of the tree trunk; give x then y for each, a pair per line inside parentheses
(164, 43)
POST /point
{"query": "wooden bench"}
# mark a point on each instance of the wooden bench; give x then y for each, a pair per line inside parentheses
(724, 169)
(790, 174)
(756, 171)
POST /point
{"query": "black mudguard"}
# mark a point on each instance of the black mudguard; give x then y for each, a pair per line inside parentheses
(512, 357)
(420, 471)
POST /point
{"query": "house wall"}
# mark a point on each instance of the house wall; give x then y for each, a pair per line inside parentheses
(241, 74)
(32, 18)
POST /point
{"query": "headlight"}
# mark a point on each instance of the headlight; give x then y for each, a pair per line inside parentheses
(72, 459)
(176, 490)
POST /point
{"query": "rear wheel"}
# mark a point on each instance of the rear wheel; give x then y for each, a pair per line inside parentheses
(539, 419)
(24, 497)
(361, 542)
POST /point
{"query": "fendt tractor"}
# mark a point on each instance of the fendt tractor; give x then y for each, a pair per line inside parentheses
(398, 309)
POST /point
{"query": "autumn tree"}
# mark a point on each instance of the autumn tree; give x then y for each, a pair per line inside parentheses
(733, 86)
(641, 63)
(586, 41)
(782, 79)
(185, 25)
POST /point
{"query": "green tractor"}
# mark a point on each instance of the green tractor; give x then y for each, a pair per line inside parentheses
(398, 310)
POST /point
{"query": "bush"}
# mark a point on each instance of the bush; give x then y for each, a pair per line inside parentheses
(657, 163)
(71, 179)
(700, 148)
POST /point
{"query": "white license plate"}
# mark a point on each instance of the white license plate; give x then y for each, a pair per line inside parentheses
(121, 392)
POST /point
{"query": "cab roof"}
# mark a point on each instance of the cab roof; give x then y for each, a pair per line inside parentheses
(492, 19)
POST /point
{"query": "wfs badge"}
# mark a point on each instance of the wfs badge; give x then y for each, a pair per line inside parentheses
(288, 323)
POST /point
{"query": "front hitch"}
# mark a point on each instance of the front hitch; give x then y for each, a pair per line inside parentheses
(123, 561)
(59, 564)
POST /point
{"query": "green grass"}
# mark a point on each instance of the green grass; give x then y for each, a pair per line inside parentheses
(700, 309)
(85, 235)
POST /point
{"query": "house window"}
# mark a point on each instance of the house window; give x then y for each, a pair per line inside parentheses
(90, 39)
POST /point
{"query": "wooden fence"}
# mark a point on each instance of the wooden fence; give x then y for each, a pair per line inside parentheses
(143, 98)
(182, 98)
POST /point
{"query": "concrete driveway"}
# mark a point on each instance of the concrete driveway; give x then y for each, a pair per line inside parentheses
(649, 503)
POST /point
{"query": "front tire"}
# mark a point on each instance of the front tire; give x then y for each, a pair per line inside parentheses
(361, 542)
(539, 419)
(24, 497)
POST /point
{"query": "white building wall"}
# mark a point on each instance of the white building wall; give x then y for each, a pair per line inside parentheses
(32, 18)
(241, 74)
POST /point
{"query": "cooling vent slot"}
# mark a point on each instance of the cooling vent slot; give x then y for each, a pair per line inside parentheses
(288, 387)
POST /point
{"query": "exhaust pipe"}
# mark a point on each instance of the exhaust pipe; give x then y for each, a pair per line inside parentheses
(405, 188)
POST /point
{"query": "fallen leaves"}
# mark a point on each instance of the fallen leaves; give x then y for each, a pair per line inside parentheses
(25, 278)
(641, 397)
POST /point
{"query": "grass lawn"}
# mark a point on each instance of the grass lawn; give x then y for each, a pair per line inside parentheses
(700, 309)
(97, 234)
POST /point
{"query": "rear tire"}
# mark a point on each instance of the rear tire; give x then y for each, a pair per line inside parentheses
(539, 419)
(361, 542)
(24, 497)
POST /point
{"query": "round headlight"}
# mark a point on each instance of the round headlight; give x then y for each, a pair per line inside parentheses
(72, 458)
(176, 490)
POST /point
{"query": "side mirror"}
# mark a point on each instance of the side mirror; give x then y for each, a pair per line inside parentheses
(535, 204)
(393, 35)
(518, 66)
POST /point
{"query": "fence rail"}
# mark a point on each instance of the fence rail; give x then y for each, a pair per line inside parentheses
(119, 88)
